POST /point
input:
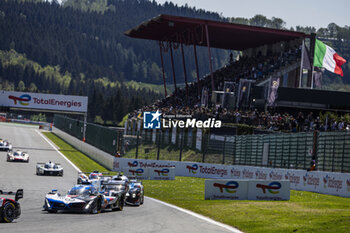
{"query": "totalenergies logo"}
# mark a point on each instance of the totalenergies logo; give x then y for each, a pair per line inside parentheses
(137, 172)
(23, 99)
(229, 186)
(163, 172)
(270, 187)
(133, 164)
(192, 168)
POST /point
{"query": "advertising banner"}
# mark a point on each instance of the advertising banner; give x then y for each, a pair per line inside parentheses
(226, 189)
(269, 190)
(30, 100)
(139, 173)
(322, 182)
(167, 173)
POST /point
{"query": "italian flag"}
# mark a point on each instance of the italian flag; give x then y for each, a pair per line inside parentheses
(327, 58)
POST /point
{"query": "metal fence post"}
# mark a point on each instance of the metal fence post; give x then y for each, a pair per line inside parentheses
(181, 144)
(342, 158)
(314, 148)
(158, 143)
(137, 144)
(223, 151)
(204, 148)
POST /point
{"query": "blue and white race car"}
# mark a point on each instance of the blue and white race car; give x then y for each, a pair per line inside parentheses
(135, 194)
(5, 145)
(82, 198)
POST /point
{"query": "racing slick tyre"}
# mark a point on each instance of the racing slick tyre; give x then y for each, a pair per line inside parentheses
(121, 205)
(8, 212)
(142, 199)
(96, 206)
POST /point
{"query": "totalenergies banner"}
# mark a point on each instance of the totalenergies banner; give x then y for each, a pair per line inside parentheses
(322, 182)
(233, 189)
(29, 100)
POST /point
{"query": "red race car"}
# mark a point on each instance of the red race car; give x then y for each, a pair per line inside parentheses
(10, 209)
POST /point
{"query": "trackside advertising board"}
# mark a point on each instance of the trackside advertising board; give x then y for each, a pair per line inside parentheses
(148, 173)
(226, 189)
(139, 173)
(321, 182)
(161, 173)
(30, 100)
(269, 190)
(247, 190)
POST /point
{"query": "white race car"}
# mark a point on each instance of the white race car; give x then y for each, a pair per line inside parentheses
(5, 145)
(50, 168)
(17, 156)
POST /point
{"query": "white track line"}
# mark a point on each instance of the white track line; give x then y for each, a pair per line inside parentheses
(209, 220)
(227, 227)
(53, 146)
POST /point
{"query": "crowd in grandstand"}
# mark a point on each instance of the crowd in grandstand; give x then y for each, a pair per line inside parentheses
(259, 67)
(276, 122)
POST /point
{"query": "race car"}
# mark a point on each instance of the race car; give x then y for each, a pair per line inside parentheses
(115, 188)
(135, 195)
(83, 178)
(5, 145)
(17, 156)
(83, 199)
(50, 168)
(10, 209)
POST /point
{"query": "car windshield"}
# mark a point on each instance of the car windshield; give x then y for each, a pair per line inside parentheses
(83, 191)
(114, 187)
(93, 176)
(17, 153)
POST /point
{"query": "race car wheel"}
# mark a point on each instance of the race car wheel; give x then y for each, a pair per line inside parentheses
(61, 174)
(121, 205)
(8, 212)
(52, 211)
(96, 206)
(142, 198)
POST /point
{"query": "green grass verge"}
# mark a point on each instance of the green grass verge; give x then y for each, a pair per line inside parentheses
(305, 212)
(83, 162)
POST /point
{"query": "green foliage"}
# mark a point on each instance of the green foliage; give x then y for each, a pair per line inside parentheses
(242, 129)
(39, 117)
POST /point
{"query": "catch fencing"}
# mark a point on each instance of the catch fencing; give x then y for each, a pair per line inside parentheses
(104, 138)
(331, 150)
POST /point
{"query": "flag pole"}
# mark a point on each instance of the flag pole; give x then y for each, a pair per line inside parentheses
(301, 62)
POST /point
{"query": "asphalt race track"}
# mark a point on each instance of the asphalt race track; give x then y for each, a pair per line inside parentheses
(151, 217)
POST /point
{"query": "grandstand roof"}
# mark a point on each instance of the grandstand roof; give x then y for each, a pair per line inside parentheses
(222, 34)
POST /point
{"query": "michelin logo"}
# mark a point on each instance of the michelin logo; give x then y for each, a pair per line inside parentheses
(151, 120)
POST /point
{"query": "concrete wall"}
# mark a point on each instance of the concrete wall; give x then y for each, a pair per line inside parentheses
(94, 153)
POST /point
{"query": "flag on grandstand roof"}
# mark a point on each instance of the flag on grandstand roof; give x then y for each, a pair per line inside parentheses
(273, 95)
(327, 58)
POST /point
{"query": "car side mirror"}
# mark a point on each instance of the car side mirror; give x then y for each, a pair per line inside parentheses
(19, 194)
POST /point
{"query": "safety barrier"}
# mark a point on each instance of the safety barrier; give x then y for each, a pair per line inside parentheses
(332, 183)
(94, 153)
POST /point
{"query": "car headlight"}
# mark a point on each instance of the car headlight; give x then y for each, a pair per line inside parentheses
(133, 195)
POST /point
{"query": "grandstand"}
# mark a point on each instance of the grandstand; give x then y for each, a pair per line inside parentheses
(245, 83)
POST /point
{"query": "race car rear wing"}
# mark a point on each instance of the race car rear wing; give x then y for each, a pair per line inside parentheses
(88, 173)
(18, 194)
(40, 163)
